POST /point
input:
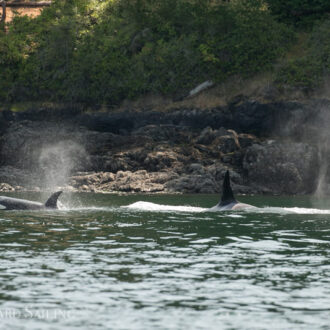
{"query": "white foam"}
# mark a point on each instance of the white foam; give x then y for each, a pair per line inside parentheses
(147, 206)
(87, 208)
(288, 210)
(300, 210)
(234, 216)
(153, 207)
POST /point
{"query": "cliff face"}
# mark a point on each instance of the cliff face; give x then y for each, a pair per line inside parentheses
(277, 148)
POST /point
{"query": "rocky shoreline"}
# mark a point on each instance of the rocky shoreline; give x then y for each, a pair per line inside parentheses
(271, 148)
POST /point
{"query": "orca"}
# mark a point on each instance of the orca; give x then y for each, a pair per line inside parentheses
(228, 201)
(9, 203)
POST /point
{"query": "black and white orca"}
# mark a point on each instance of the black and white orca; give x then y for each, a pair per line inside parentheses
(228, 201)
(9, 203)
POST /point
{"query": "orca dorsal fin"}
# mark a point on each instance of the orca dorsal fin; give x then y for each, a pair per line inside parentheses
(52, 200)
(227, 193)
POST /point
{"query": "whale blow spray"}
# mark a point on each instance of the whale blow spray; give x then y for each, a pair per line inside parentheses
(57, 161)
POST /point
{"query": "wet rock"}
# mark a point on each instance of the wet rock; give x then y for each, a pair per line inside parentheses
(5, 187)
(86, 188)
(208, 135)
(16, 177)
(282, 168)
(92, 178)
(234, 159)
(246, 140)
(196, 168)
(117, 163)
(185, 150)
(227, 144)
(122, 181)
(159, 160)
(192, 183)
(27, 143)
(139, 181)
(104, 122)
(160, 133)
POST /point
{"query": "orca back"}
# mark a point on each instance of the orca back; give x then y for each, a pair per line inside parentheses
(9, 203)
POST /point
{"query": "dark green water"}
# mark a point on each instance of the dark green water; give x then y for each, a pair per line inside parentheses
(166, 263)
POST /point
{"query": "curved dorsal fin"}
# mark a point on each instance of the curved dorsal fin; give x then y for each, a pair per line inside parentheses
(227, 193)
(52, 200)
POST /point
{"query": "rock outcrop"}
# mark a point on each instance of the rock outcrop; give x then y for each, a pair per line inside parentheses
(282, 168)
(269, 148)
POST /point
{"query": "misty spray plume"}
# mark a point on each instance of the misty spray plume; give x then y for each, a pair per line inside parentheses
(57, 162)
(319, 129)
(314, 129)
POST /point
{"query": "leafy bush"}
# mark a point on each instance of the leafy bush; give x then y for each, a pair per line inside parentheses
(307, 71)
(299, 12)
(101, 52)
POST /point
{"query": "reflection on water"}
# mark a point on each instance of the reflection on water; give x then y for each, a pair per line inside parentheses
(148, 262)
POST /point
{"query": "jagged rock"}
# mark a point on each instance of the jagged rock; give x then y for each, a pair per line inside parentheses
(139, 181)
(196, 168)
(208, 135)
(15, 176)
(193, 183)
(5, 187)
(91, 179)
(169, 133)
(125, 181)
(282, 168)
(227, 144)
(177, 150)
(116, 163)
(159, 160)
(246, 140)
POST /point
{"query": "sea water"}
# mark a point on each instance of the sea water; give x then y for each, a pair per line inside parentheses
(166, 262)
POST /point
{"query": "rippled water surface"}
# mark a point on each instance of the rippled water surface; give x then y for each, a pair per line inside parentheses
(164, 262)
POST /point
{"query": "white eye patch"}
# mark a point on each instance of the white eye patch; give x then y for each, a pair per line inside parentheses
(2, 207)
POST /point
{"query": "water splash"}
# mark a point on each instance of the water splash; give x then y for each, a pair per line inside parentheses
(287, 210)
(57, 161)
(320, 135)
(147, 206)
(322, 184)
(152, 207)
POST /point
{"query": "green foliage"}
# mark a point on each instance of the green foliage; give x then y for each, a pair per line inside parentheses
(299, 73)
(307, 71)
(253, 41)
(299, 12)
(101, 52)
(13, 52)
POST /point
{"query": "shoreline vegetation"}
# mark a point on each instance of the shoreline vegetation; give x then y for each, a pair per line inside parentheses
(102, 53)
(97, 96)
